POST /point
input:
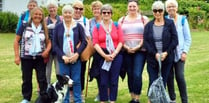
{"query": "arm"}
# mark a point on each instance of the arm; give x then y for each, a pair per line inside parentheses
(16, 49)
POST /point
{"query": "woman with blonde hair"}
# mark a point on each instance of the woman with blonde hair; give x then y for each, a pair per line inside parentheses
(34, 49)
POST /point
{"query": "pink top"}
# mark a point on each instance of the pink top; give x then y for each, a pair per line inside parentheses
(99, 35)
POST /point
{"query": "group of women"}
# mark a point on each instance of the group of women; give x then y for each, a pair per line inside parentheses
(126, 44)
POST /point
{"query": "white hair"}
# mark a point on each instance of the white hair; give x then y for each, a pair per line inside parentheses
(51, 2)
(158, 5)
(67, 8)
(171, 2)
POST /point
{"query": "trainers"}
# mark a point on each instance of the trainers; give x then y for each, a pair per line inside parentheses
(173, 101)
(83, 98)
(25, 101)
(97, 98)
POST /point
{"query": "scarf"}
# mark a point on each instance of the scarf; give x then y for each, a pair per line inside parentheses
(68, 41)
(36, 42)
(109, 45)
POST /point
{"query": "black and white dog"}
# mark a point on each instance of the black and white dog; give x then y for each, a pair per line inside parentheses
(56, 92)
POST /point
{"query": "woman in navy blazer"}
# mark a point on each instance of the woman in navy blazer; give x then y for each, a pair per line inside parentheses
(160, 38)
(66, 38)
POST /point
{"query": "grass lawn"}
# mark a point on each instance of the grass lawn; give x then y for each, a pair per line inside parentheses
(197, 74)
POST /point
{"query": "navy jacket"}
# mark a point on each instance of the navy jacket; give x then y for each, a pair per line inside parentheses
(79, 36)
(169, 40)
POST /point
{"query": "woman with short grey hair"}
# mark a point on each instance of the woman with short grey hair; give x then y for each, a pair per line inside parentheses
(181, 51)
(106, 7)
(160, 41)
(52, 20)
(67, 36)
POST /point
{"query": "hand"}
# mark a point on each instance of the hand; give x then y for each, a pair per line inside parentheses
(73, 58)
(157, 56)
(183, 56)
(130, 50)
(17, 60)
(51, 26)
(108, 58)
(45, 54)
(66, 59)
(163, 56)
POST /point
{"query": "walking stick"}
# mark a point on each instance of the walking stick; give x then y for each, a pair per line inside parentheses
(87, 80)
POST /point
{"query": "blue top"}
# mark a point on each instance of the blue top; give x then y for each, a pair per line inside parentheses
(79, 36)
(184, 36)
(24, 18)
(92, 23)
(169, 41)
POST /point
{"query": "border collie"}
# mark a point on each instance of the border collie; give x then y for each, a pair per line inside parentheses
(56, 92)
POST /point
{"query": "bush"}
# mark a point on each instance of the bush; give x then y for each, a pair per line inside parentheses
(8, 21)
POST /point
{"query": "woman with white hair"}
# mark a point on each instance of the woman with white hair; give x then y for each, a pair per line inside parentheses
(160, 40)
(181, 51)
(67, 35)
(51, 20)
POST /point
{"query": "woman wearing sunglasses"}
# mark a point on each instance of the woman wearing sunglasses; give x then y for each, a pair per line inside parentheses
(184, 38)
(134, 55)
(160, 41)
(108, 41)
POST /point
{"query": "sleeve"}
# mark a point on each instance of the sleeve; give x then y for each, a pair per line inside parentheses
(95, 35)
(82, 39)
(148, 41)
(19, 24)
(87, 28)
(55, 43)
(187, 37)
(20, 30)
(174, 38)
(120, 34)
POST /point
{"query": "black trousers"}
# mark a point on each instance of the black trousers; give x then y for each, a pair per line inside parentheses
(27, 66)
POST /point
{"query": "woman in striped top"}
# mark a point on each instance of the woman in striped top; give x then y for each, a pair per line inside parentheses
(134, 55)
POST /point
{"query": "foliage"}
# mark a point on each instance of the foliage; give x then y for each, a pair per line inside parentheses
(8, 21)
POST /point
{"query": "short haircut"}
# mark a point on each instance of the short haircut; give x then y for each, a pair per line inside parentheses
(171, 2)
(67, 8)
(134, 1)
(33, 1)
(106, 7)
(158, 5)
(78, 3)
(96, 4)
(51, 2)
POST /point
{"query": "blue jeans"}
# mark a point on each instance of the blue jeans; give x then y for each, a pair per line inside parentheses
(134, 65)
(178, 71)
(74, 71)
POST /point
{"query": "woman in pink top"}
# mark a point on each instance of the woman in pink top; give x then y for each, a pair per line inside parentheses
(108, 41)
(134, 55)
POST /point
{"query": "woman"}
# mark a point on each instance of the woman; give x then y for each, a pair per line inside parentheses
(160, 40)
(134, 55)
(67, 36)
(79, 18)
(181, 51)
(35, 47)
(96, 6)
(108, 41)
(24, 18)
(52, 20)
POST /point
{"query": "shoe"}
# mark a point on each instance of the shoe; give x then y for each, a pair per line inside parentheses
(83, 98)
(25, 101)
(97, 98)
(172, 101)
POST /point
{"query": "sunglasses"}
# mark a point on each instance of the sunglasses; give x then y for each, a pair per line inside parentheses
(159, 10)
(106, 12)
(76, 8)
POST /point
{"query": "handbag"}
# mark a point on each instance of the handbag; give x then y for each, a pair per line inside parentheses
(157, 92)
(88, 51)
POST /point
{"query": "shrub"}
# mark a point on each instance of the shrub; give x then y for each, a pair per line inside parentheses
(8, 21)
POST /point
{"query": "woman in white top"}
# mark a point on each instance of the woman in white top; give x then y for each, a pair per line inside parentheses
(134, 55)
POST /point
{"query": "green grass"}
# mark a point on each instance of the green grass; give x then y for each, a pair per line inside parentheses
(197, 74)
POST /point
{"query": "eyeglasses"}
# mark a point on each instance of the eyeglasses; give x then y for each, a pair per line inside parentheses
(76, 8)
(171, 6)
(159, 10)
(106, 12)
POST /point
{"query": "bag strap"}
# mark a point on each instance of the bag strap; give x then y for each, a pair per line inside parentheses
(183, 20)
(84, 21)
(160, 65)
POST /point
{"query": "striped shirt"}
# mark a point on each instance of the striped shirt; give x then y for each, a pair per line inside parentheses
(133, 30)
